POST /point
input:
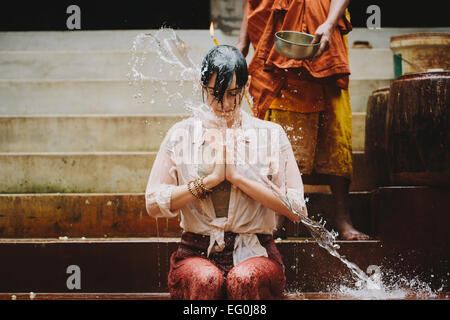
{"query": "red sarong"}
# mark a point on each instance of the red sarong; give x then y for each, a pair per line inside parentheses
(194, 276)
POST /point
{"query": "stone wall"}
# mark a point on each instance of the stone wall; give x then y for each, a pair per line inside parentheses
(227, 15)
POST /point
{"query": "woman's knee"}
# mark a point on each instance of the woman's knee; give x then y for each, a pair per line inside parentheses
(196, 279)
(209, 278)
(255, 278)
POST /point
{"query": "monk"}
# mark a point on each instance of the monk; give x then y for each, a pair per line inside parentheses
(308, 98)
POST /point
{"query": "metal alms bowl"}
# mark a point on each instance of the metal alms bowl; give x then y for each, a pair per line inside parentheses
(295, 45)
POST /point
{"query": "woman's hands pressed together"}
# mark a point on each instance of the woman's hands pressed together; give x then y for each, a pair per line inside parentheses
(231, 173)
(225, 168)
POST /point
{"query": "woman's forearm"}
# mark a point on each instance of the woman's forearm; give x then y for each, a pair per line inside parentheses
(181, 195)
(263, 195)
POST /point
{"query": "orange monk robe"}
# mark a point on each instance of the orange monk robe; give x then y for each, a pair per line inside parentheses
(270, 70)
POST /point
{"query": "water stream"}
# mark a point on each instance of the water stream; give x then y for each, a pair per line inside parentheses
(174, 60)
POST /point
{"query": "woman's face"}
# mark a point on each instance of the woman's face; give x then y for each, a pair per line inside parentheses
(232, 98)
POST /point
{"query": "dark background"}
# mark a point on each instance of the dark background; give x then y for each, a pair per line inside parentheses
(190, 14)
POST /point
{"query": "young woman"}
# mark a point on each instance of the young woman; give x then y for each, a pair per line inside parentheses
(227, 174)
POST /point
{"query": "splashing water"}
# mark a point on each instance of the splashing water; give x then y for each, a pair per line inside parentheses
(169, 56)
(386, 284)
(173, 52)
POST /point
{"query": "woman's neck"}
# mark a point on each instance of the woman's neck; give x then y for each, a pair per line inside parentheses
(236, 121)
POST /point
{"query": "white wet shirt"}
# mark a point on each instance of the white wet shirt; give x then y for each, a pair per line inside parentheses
(184, 156)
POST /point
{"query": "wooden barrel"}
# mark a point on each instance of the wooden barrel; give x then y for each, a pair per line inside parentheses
(374, 141)
(417, 129)
(429, 50)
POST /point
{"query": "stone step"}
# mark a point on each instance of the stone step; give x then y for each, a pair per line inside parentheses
(99, 40)
(101, 64)
(81, 215)
(103, 133)
(97, 296)
(162, 296)
(75, 172)
(85, 133)
(124, 215)
(140, 265)
(92, 65)
(27, 97)
(100, 172)
(63, 97)
(123, 39)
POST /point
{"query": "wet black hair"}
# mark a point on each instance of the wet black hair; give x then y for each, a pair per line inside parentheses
(226, 61)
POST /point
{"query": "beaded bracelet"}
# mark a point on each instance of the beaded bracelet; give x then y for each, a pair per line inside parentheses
(203, 186)
(198, 189)
(200, 192)
(191, 189)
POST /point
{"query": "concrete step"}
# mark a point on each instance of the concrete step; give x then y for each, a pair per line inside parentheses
(22, 97)
(85, 133)
(93, 296)
(141, 264)
(101, 64)
(92, 65)
(27, 97)
(75, 172)
(99, 40)
(81, 215)
(124, 215)
(160, 296)
(122, 39)
(100, 172)
(103, 133)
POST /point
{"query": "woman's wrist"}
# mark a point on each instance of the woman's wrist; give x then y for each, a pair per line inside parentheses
(211, 181)
(235, 179)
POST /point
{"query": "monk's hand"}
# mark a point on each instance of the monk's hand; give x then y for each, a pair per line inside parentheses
(323, 35)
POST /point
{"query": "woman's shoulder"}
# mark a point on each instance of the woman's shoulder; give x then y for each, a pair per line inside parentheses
(265, 124)
(184, 124)
(272, 127)
(179, 131)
